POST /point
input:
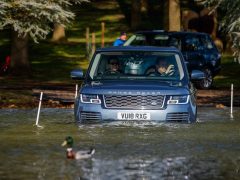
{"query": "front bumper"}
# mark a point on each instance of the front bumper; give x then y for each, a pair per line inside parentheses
(176, 112)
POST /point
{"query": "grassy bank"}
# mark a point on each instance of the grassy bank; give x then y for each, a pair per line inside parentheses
(230, 73)
(55, 73)
(51, 63)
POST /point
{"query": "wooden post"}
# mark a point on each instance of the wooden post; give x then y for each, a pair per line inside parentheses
(231, 111)
(87, 42)
(38, 113)
(76, 91)
(93, 44)
(103, 31)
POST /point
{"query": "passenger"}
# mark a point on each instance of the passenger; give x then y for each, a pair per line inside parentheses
(162, 68)
(121, 40)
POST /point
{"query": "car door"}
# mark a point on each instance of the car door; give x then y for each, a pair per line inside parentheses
(192, 51)
(211, 54)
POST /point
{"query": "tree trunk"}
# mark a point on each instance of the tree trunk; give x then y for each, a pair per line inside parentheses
(165, 5)
(58, 33)
(144, 6)
(19, 55)
(174, 15)
(135, 14)
(190, 20)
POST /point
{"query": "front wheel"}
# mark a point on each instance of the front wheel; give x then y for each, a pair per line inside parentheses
(207, 82)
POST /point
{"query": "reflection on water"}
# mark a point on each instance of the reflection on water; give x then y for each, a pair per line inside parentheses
(209, 149)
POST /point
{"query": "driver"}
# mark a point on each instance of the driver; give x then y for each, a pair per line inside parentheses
(113, 66)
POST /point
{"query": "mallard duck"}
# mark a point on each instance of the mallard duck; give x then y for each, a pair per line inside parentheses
(71, 154)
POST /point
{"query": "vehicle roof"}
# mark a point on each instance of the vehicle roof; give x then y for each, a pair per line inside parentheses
(137, 48)
(170, 32)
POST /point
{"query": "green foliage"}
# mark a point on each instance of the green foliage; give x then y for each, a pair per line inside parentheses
(229, 73)
(230, 22)
(231, 18)
(35, 17)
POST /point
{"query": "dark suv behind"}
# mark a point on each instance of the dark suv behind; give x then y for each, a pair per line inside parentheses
(198, 50)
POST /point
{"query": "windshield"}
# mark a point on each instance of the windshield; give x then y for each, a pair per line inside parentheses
(161, 40)
(136, 65)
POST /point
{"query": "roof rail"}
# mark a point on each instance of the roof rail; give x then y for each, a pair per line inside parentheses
(158, 30)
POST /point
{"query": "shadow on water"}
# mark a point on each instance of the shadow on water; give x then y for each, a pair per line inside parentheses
(209, 149)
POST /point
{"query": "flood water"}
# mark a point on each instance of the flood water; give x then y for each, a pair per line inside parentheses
(208, 149)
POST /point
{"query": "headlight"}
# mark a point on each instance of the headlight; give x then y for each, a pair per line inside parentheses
(90, 98)
(178, 99)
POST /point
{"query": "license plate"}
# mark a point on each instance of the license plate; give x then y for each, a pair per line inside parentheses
(133, 116)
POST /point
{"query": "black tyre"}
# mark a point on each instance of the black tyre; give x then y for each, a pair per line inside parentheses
(207, 82)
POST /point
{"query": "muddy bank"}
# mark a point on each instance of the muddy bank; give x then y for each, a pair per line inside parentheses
(218, 97)
(215, 97)
(63, 97)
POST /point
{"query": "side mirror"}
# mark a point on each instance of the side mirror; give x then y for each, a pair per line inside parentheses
(77, 74)
(197, 75)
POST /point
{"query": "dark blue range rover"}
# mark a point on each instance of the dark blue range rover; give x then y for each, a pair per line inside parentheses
(136, 83)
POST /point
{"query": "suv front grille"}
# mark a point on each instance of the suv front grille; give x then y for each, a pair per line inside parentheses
(134, 101)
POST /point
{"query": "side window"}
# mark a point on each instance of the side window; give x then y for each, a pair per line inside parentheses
(191, 43)
(207, 43)
(139, 40)
(175, 42)
(161, 40)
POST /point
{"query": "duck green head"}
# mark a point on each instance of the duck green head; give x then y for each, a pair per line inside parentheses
(68, 142)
